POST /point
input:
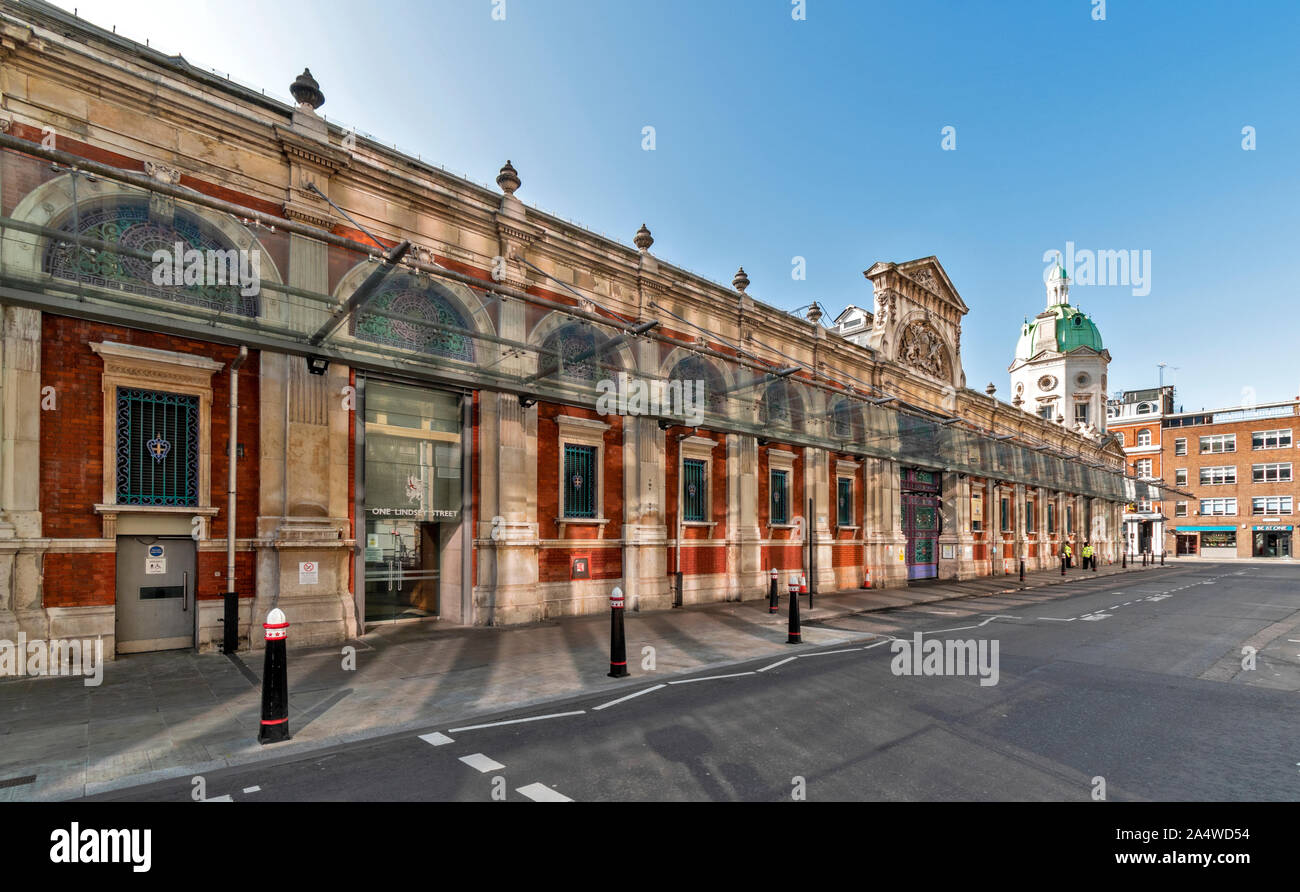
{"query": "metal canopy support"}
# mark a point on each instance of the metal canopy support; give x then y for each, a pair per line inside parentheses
(361, 295)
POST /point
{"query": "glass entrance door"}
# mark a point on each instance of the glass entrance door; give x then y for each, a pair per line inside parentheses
(411, 501)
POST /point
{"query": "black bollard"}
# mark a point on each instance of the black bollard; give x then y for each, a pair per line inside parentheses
(795, 637)
(1162, 558)
(1063, 563)
(617, 638)
(773, 597)
(1022, 570)
(1124, 560)
(275, 681)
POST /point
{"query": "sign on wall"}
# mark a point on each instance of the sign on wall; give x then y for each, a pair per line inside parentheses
(308, 573)
(580, 567)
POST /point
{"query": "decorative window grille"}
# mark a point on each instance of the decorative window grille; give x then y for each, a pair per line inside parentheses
(579, 481)
(845, 501)
(779, 499)
(157, 448)
(694, 491)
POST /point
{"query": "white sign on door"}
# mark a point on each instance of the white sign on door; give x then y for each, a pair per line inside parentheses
(155, 566)
(308, 573)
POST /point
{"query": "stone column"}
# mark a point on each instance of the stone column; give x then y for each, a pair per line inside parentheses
(816, 486)
(1021, 550)
(884, 536)
(645, 532)
(744, 536)
(955, 508)
(305, 439)
(20, 517)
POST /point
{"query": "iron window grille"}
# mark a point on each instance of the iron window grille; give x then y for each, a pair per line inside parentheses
(845, 487)
(694, 492)
(157, 448)
(780, 507)
(579, 481)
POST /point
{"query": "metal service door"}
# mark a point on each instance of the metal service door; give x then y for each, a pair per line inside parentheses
(155, 593)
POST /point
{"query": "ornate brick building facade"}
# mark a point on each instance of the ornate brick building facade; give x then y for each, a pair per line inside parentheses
(418, 430)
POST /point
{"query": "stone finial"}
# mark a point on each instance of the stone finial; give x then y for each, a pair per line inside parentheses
(508, 178)
(643, 239)
(741, 282)
(306, 91)
(814, 313)
(990, 390)
(1017, 402)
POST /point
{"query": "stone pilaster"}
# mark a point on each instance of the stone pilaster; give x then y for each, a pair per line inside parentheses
(885, 542)
(744, 537)
(20, 518)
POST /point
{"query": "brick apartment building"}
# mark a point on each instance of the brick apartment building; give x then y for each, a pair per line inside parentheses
(1134, 418)
(1238, 463)
(418, 364)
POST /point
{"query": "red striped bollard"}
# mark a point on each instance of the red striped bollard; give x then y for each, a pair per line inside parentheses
(794, 636)
(617, 638)
(275, 680)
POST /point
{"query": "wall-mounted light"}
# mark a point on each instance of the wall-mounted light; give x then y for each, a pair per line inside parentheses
(317, 365)
(527, 402)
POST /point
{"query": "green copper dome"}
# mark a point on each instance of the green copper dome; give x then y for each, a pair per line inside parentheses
(1061, 328)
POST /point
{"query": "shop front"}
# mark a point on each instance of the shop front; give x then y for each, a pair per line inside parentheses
(412, 554)
(1214, 541)
(1272, 540)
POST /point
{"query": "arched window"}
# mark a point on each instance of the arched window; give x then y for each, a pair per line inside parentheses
(1119, 437)
(219, 276)
(1144, 437)
(414, 313)
(690, 369)
(781, 405)
(573, 353)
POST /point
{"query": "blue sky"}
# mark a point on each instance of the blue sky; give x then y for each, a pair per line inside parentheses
(821, 138)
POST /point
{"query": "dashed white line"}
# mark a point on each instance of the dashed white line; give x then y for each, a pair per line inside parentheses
(436, 738)
(253, 789)
(481, 763)
(542, 793)
(777, 663)
(826, 653)
(1059, 619)
(710, 678)
(535, 718)
(628, 697)
(225, 798)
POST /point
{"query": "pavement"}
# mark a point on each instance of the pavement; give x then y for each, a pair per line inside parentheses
(177, 714)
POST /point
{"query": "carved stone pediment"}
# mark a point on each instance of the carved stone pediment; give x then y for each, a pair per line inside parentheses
(922, 348)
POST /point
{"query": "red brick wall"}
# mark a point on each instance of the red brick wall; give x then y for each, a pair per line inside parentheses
(212, 574)
(80, 580)
(72, 433)
(554, 564)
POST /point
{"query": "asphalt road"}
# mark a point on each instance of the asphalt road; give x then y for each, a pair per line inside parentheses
(1139, 684)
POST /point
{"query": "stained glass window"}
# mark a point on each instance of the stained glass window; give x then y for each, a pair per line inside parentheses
(414, 313)
(130, 225)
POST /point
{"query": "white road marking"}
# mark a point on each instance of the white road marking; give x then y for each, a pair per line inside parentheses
(436, 738)
(481, 763)
(710, 678)
(628, 697)
(542, 793)
(225, 798)
(878, 643)
(535, 718)
(777, 663)
(825, 653)
(1094, 617)
(252, 789)
(1059, 619)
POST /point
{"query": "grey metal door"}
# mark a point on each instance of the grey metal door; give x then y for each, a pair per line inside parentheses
(155, 593)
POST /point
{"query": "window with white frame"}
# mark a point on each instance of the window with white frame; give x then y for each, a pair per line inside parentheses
(1270, 505)
(1144, 504)
(976, 510)
(1218, 507)
(1142, 467)
(1273, 472)
(1223, 475)
(582, 457)
(696, 472)
(1081, 413)
(1219, 443)
(1180, 446)
(1180, 509)
(1279, 439)
(1180, 477)
(1119, 437)
(1144, 437)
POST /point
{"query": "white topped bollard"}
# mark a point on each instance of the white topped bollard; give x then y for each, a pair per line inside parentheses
(773, 597)
(275, 680)
(617, 638)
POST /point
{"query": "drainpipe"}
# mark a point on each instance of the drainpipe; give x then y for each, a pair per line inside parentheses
(230, 486)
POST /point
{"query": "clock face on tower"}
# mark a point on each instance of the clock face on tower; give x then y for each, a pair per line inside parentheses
(1047, 383)
(1082, 379)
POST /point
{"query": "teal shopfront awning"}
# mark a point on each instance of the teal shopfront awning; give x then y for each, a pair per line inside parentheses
(1204, 529)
